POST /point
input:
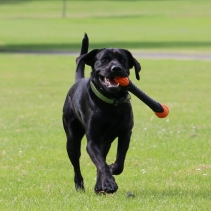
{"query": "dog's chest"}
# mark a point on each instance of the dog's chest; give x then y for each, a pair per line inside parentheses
(111, 125)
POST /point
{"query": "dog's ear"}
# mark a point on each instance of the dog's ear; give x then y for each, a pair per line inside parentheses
(133, 63)
(88, 59)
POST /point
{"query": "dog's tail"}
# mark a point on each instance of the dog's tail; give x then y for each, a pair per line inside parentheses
(84, 49)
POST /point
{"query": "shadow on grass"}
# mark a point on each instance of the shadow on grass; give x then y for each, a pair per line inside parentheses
(14, 1)
(71, 47)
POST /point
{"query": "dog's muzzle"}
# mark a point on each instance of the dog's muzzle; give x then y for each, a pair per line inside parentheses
(110, 82)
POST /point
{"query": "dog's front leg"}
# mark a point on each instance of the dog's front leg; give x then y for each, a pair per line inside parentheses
(105, 180)
(117, 167)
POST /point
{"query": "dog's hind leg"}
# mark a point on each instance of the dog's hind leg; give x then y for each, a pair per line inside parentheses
(74, 132)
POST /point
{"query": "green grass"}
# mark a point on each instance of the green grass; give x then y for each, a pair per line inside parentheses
(146, 25)
(168, 163)
(167, 166)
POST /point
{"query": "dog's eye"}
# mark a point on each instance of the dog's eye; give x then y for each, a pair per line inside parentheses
(104, 60)
(123, 60)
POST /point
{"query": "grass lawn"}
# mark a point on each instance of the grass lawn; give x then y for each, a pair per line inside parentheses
(168, 164)
(141, 25)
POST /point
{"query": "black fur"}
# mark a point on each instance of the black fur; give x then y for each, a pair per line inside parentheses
(86, 114)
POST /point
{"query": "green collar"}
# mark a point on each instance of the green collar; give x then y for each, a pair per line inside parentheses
(112, 101)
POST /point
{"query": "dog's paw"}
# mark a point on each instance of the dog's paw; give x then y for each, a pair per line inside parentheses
(79, 187)
(109, 185)
(115, 169)
(98, 187)
(79, 184)
(105, 183)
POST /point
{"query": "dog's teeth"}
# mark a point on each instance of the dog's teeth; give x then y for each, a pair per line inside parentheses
(108, 83)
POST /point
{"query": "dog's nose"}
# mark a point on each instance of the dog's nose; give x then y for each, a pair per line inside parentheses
(116, 68)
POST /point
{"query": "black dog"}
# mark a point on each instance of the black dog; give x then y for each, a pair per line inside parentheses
(99, 108)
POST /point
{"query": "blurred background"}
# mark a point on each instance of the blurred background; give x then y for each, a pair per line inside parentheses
(59, 25)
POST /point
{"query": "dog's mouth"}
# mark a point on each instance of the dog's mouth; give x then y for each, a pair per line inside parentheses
(108, 82)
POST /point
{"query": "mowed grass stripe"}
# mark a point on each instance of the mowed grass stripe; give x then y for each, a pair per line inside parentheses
(168, 25)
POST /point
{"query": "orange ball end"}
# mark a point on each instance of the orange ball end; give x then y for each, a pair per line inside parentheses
(164, 113)
(122, 81)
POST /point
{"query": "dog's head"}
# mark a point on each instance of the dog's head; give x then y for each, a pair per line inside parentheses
(108, 63)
